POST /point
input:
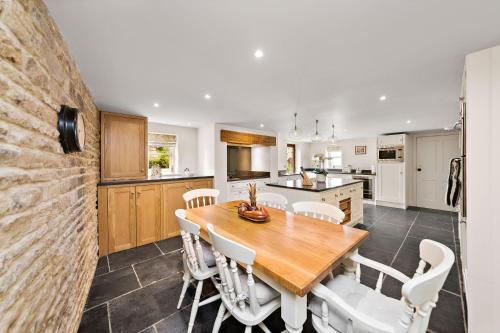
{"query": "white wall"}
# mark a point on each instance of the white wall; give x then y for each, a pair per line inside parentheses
(187, 144)
(483, 161)
(348, 155)
(206, 149)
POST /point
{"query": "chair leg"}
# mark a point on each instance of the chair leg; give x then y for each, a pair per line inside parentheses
(194, 308)
(218, 319)
(248, 329)
(264, 327)
(186, 278)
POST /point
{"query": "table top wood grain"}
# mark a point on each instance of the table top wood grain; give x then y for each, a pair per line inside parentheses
(296, 251)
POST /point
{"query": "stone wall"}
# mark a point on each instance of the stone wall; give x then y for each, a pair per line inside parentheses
(48, 215)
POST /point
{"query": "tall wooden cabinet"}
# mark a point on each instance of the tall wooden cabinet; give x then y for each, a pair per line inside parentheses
(132, 215)
(123, 146)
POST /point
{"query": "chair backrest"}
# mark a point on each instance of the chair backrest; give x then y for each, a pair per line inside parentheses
(423, 289)
(201, 197)
(231, 290)
(190, 233)
(273, 200)
(319, 210)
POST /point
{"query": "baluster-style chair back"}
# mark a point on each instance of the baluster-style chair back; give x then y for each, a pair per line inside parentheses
(319, 210)
(190, 233)
(201, 197)
(273, 200)
(232, 292)
(423, 289)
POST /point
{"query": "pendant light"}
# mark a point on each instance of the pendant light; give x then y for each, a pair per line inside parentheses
(332, 138)
(295, 132)
(316, 137)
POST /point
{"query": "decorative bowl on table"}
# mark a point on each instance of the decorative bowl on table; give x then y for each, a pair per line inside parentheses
(252, 213)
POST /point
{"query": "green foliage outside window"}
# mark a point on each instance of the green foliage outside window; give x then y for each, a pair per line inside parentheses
(162, 158)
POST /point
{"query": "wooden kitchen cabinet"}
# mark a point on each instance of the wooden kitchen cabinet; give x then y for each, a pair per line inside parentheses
(121, 218)
(134, 215)
(172, 200)
(123, 146)
(148, 212)
(242, 138)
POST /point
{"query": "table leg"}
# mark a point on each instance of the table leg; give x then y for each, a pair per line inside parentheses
(293, 311)
(349, 268)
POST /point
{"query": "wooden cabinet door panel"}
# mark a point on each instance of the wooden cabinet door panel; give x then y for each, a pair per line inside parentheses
(172, 200)
(121, 218)
(123, 147)
(204, 183)
(148, 214)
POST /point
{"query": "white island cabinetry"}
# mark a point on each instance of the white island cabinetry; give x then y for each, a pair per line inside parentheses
(347, 194)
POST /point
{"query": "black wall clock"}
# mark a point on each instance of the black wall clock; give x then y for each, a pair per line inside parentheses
(71, 129)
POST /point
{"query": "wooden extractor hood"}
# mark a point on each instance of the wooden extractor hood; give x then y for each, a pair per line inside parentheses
(241, 138)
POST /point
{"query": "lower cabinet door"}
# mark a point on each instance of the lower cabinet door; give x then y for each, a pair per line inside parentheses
(121, 218)
(197, 184)
(172, 200)
(148, 207)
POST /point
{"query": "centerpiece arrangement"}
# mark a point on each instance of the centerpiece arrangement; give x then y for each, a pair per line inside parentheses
(320, 175)
(251, 211)
(320, 171)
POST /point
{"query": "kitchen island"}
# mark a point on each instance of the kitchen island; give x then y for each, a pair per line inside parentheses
(347, 194)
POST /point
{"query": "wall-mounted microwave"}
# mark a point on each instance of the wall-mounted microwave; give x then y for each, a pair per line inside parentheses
(391, 154)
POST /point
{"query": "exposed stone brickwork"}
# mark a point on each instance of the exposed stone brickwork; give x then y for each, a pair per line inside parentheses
(48, 215)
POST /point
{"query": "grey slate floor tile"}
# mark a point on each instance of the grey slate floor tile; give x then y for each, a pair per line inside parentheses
(111, 285)
(170, 244)
(158, 267)
(129, 257)
(95, 320)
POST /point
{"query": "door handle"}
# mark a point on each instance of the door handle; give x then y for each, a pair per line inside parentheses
(419, 169)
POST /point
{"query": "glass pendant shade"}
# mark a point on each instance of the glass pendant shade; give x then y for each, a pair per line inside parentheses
(316, 137)
(295, 132)
(332, 138)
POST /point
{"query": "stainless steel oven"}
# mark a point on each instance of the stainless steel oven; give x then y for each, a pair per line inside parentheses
(367, 186)
(391, 154)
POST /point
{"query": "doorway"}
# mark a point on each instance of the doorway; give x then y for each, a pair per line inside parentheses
(433, 160)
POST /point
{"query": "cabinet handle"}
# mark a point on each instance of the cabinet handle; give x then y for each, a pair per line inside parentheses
(132, 194)
(138, 193)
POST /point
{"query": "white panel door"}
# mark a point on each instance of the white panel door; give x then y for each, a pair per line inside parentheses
(433, 159)
(390, 182)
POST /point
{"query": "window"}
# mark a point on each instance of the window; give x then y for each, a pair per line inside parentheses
(162, 151)
(290, 158)
(335, 155)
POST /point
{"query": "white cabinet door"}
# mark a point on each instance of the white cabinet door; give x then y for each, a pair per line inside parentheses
(391, 140)
(390, 182)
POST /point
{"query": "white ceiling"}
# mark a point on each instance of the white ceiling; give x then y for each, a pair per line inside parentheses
(326, 59)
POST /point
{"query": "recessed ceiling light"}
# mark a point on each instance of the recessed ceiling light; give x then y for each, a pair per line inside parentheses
(189, 124)
(258, 53)
(208, 96)
(156, 105)
(383, 97)
(261, 125)
(408, 121)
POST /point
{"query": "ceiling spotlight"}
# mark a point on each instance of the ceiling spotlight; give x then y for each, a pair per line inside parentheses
(261, 125)
(189, 124)
(383, 97)
(258, 54)
(156, 105)
(408, 121)
(208, 96)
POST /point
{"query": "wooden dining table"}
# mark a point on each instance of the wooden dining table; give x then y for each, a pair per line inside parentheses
(293, 252)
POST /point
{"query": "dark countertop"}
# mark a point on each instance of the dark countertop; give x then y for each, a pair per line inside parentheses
(240, 178)
(151, 180)
(339, 171)
(330, 184)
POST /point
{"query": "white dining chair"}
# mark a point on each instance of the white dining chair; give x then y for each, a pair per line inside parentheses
(273, 200)
(201, 197)
(245, 297)
(198, 261)
(345, 305)
(319, 210)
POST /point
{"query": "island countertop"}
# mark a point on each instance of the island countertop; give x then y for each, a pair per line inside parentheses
(330, 184)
